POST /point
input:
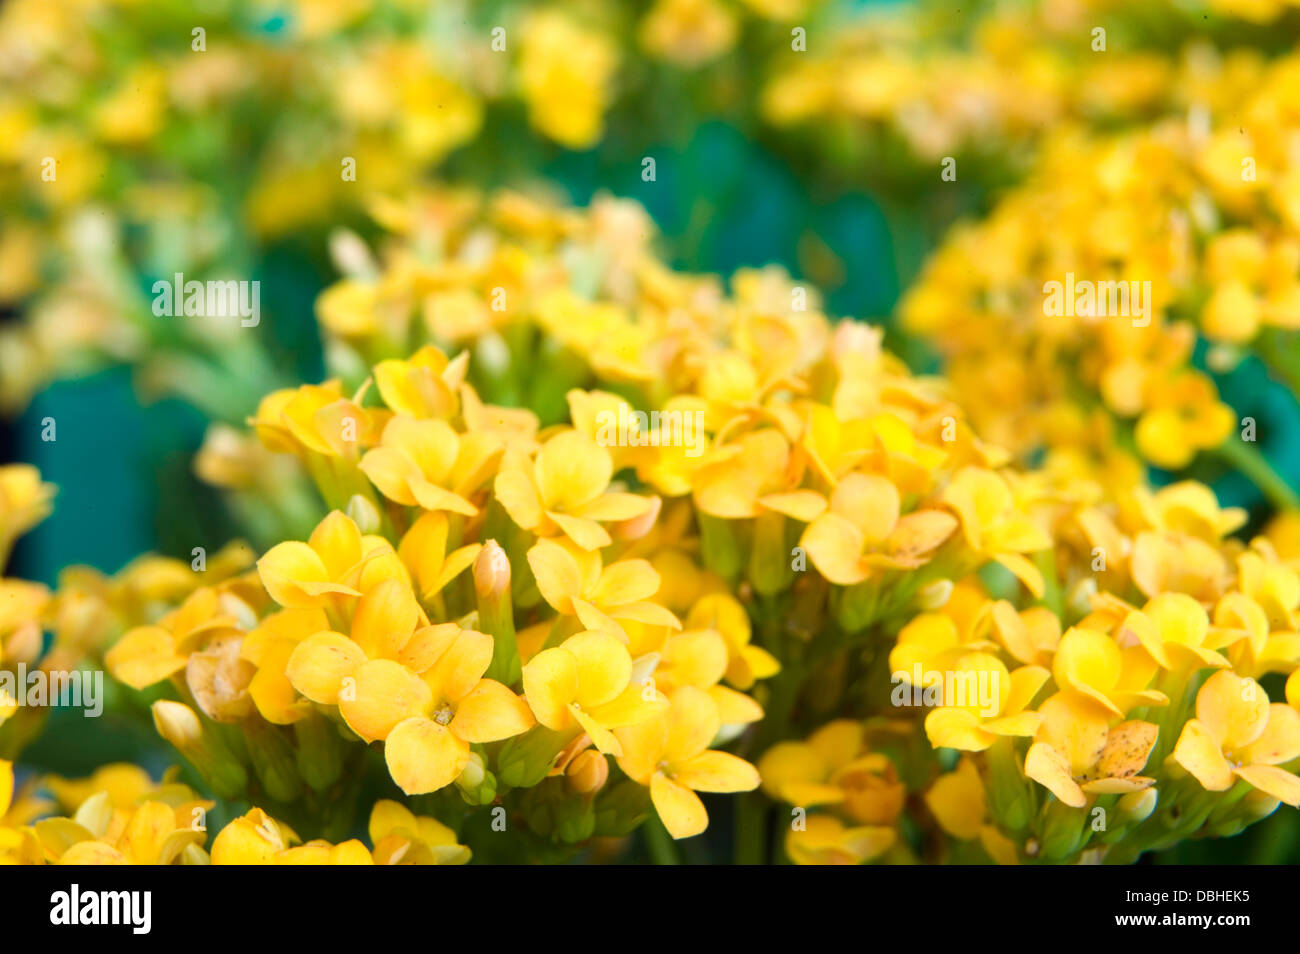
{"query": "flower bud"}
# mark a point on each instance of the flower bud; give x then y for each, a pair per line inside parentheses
(525, 760)
(364, 513)
(477, 785)
(1062, 830)
(201, 746)
(934, 596)
(1135, 807)
(587, 773)
(496, 615)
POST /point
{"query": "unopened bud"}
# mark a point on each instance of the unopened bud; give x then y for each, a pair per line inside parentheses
(587, 773)
(1079, 599)
(491, 571)
(496, 615)
(364, 513)
(177, 723)
(934, 596)
(1137, 807)
(472, 775)
(202, 747)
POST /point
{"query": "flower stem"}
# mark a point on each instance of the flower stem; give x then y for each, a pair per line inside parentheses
(1248, 459)
(659, 843)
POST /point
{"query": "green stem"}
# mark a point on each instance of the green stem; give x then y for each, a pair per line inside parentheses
(659, 843)
(1248, 459)
(751, 829)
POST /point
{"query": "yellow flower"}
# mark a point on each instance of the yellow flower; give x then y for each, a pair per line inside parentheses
(1031, 635)
(1190, 508)
(318, 572)
(1176, 563)
(1091, 664)
(1238, 734)
(163, 824)
(825, 840)
(586, 682)
(863, 531)
(253, 839)
(565, 491)
(427, 464)
(420, 691)
(564, 75)
(22, 606)
(992, 524)
(688, 32)
(133, 113)
(1175, 630)
(402, 838)
(698, 658)
(317, 852)
(1186, 416)
(575, 583)
(932, 642)
(960, 806)
(426, 385)
(399, 837)
(149, 654)
(24, 502)
(833, 768)
(995, 704)
(724, 614)
(268, 648)
(1076, 754)
(315, 419)
(423, 550)
(751, 475)
(669, 754)
(18, 844)
(1271, 584)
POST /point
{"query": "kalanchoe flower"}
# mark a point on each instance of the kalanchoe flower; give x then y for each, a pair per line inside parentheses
(1237, 733)
(669, 754)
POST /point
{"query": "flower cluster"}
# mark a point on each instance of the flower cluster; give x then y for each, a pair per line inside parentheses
(994, 85)
(120, 816)
(1191, 223)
